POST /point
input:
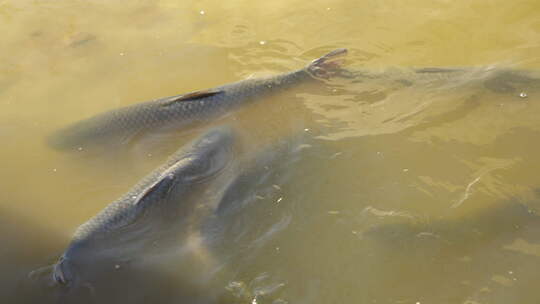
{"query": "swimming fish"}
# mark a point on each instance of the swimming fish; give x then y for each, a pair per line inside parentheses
(499, 80)
(147, 217)
(180, 111)
(498, 222)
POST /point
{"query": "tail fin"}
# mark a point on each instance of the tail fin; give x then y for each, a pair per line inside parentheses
(322, 67)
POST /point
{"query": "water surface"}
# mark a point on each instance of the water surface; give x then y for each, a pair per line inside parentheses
(403, 191)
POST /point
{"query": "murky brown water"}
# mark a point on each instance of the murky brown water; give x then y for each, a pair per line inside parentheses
(410, 190)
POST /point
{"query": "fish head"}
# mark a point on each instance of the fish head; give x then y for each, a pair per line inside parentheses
(83, 274)
(63, 272)
(77, 266)
(106, 281)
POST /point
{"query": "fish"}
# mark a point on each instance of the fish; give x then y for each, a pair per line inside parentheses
(260, 173)
(149, 217)
(495, 79)
(498, 222)
(249, 207)
(224, 185)
(123, 125)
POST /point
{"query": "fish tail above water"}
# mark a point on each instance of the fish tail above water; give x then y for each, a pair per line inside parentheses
(325, 66)
(123, 125)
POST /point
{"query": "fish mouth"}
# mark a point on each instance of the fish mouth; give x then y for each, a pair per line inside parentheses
(61, 273)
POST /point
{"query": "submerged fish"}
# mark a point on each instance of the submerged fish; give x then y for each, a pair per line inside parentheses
(122, 125)
(498, 222)
(149, 216)
(498, 80)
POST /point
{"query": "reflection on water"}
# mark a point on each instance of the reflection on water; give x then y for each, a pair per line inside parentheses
(419, 185)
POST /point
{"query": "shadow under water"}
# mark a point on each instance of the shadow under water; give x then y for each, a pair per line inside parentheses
(199, 267)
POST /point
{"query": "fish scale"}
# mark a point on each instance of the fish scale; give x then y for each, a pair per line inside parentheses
(120, 125)
(122, 212)
(126, 226)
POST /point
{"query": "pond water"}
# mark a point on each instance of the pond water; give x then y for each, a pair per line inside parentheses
(413, 185)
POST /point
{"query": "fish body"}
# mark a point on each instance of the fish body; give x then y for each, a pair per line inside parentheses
(149, 215)
(498, 80)
(500, 221)
(180, 111)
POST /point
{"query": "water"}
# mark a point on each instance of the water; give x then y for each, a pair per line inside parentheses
(422, 193)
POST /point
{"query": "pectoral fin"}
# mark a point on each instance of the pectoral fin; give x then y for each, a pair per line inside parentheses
(191, 96)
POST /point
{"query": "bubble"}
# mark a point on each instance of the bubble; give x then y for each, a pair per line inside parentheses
(262, 42)
(202, 12)
(523, 95)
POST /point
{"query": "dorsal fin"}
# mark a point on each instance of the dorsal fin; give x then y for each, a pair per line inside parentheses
(191, 96)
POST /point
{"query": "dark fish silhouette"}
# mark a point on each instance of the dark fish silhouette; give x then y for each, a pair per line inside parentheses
(121, 125)
(150, 216)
